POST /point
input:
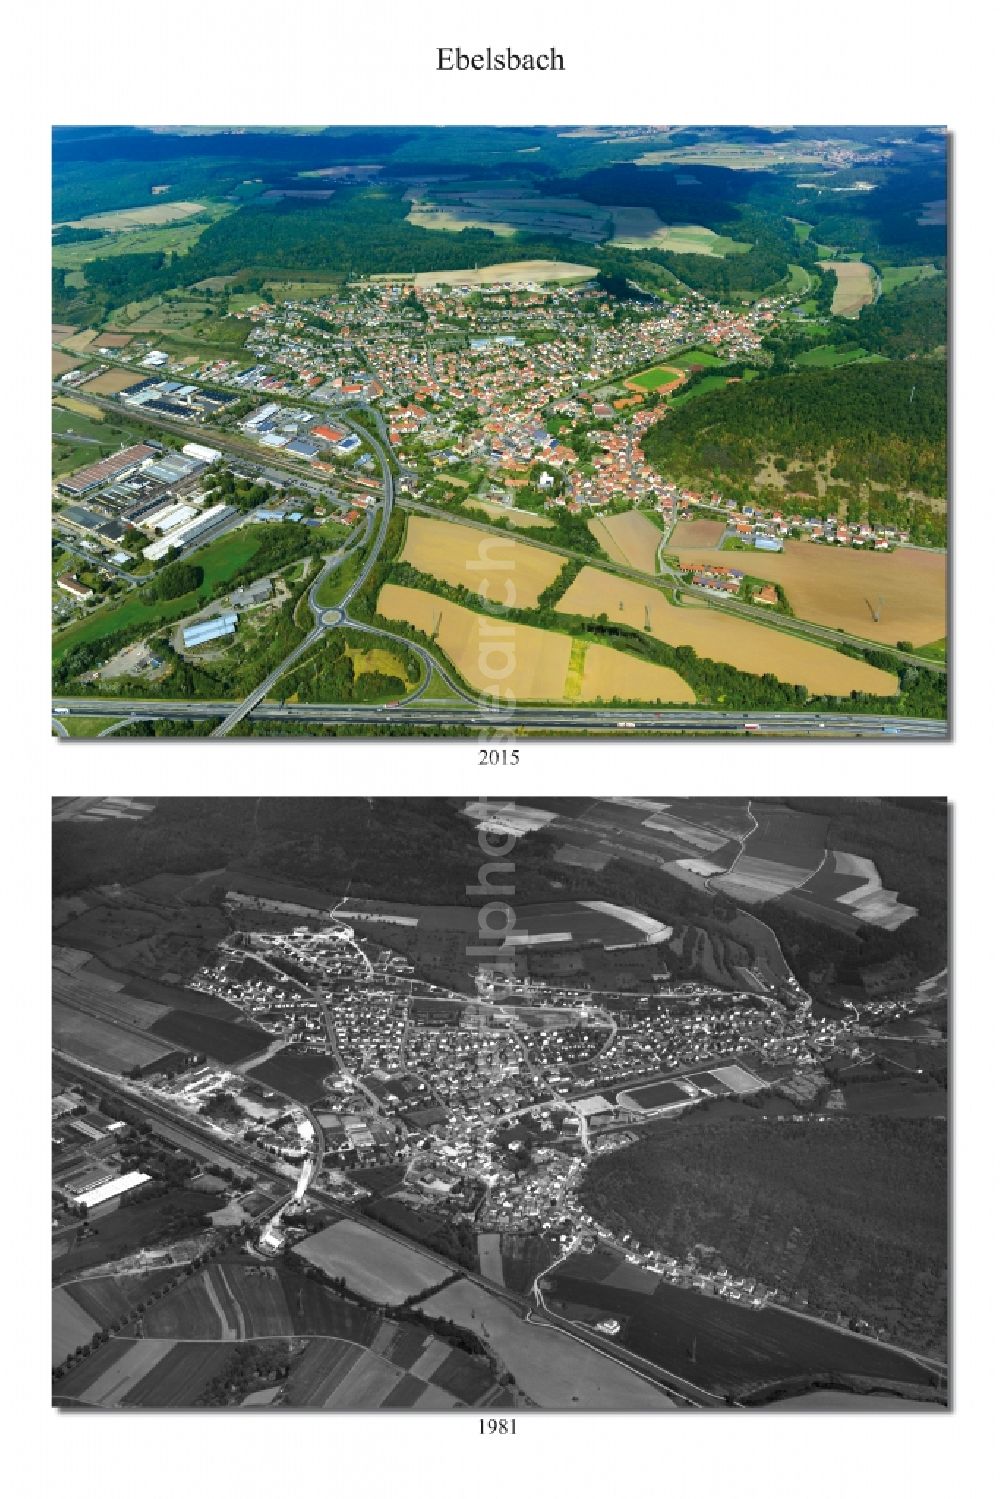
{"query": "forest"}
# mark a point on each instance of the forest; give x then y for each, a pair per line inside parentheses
(885, 423)
(852, 1215)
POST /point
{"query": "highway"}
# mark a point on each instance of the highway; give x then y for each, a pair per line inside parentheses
(411, 711)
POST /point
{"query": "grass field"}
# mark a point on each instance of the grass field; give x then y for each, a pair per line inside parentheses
(737, 1347)
(372, 1264)
(299, 1074)
(514, 272)
(101, 1042)
(642, 229)
(855, 286)
(521, 519)
(553, 1371)
(71, 1325)
(219, 560)
(841, 587)
(828, 356)
(86, 728)
(630, 538)
(894, 276)
(699, 359)
(799, 280)
(496, 566)
(703, 388)
(740, 643)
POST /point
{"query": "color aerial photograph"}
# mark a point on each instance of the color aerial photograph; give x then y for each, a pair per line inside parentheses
(588, 430)
(570, 1104)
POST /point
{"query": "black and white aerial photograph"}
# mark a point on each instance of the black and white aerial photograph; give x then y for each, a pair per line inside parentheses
(555, 1104)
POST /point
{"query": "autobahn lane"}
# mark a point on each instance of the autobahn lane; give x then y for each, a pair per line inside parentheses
(414, 712)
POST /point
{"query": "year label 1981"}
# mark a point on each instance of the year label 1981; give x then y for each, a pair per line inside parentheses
(497, 1426)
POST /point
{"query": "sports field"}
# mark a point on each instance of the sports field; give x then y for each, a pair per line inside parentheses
(514, 272)
(630, 538)
(553, 1370)
(662, 378)
(740, 643)
(855, 286)
(375, 1266)
(845, 588)
(496, 566)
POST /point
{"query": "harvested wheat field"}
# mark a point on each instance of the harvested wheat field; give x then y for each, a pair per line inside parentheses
(80, 341)
(737, 642)
(855, 286)
(111, 382)
(609, 674)
(491, 654)
(841, 588)
(63, 363)
(630, 538)
(521, 519)
(513, 273)
(137, 218)
(496, 566)
(690, 534)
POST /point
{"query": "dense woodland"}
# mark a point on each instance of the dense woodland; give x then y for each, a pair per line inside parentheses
(852, 1215)
(419, 849)
(881, 423)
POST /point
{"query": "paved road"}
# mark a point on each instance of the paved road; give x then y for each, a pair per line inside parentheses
(325, 617)
(413, 712)
(782, 623)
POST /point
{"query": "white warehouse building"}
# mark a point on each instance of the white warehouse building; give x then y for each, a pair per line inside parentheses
(199, 451)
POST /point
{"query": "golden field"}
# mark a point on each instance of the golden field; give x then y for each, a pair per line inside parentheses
(491, 654)
(111, 381)
(690, 534)
(630, 538)
(608, 674)
(737, 642)
(855, 286)
(513, 272)
(841, 586)
(498, 567)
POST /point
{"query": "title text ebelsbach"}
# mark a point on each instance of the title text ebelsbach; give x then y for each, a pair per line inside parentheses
(454, 60)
